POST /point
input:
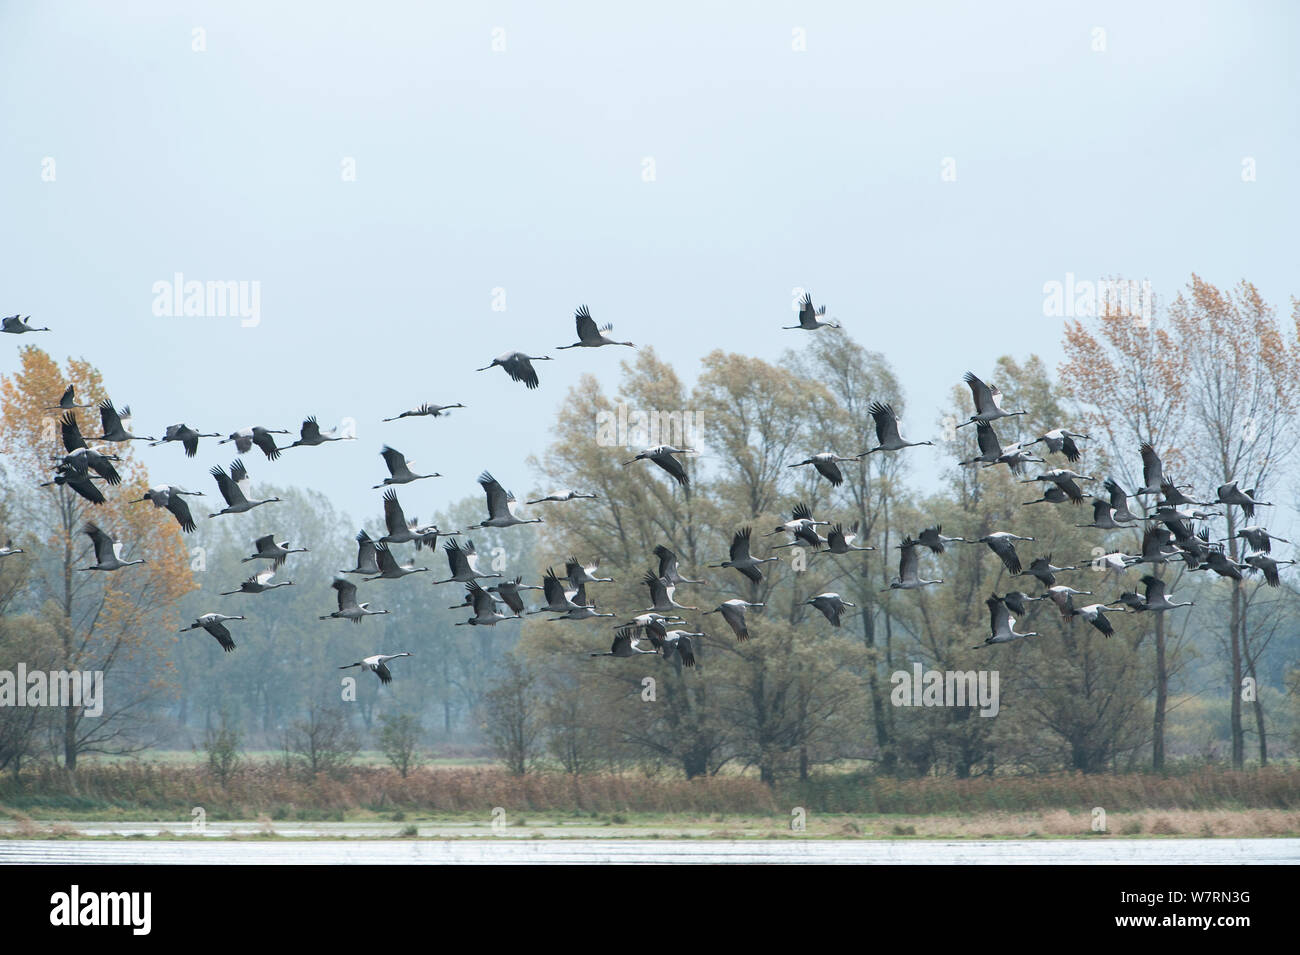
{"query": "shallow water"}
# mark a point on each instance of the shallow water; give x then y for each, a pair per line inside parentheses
(504, 850)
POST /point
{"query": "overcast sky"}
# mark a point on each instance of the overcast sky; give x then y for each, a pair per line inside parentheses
(1091, 139)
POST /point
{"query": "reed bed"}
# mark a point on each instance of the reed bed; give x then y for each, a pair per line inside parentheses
(270, 789)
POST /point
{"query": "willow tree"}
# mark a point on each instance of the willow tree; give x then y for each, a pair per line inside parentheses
(1242, 376)
(637, 508)
(121, 623)
(854, 377)
(1128, 372)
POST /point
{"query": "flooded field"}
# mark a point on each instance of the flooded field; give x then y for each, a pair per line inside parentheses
(542, 851)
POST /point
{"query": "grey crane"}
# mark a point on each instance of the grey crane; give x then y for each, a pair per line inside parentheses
(990, 447)
(831, 605)
(1015, 457)
(644, 620)
(1155, 544)
(1169, 513)
(400, 530)
(1103, 517)
(426, 535)
(1002, 626)
(518, 366)
(378, 665)
(733, 611)
(399, 469)
(1173, 496)
(1152, 471)
(1268, 566)
(1132, 602)
(508, 591)
(267, 548)
(1119, 501)
(215, 624)
(1195, 547)
(1052, 494)
(1258, 538)
(581, 610)
(840, 541)
(17, 325)
(68, 401)
(108, 549)
(827, 464)
(264, 438)
(430, 410)
(579, 573)
(1065, 479)
(626, 644)
(803, 526)
(1230, 494)
(1063, 597)
(117, 424)
(463, 562)
(79, 481)
(909, 563)
(187, 436)
(589, 335)
(349, 609)
(1157, 600)
(389, 568)
(559, 598)
(310, 435)
(1113, 563)
(810, 319)
(887, 436)
(366, 559)
(1002, 543)
(1045, 571)
(933, 538)
(485, 608)
(662, 455)
(172, 498)
(88, 459)
(1219, 562)
(259, 583)
(1061, 441)
(662, 595)
(83, 459)
(235, 489)
(677, 646)
(742, 560)
(1016, 600)
(501, 505)
(988, 401)
(668, 566)
(564, 494)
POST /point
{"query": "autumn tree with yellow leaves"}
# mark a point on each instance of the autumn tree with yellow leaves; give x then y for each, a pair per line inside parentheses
(121, 623)
(1213, 383)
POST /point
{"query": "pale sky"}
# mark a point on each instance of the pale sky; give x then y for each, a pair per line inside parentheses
(774, 169)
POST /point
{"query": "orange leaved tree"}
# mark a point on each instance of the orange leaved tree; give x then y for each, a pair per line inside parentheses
(120, 623)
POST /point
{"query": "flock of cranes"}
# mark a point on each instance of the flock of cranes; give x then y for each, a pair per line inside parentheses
(1171, 532)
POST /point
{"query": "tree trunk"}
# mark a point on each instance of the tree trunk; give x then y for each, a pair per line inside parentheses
(1162, 698)
(1238, 734)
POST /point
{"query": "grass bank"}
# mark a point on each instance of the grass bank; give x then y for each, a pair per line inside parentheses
(159, 790)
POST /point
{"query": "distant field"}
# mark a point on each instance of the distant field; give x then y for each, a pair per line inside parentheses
(183, 757)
